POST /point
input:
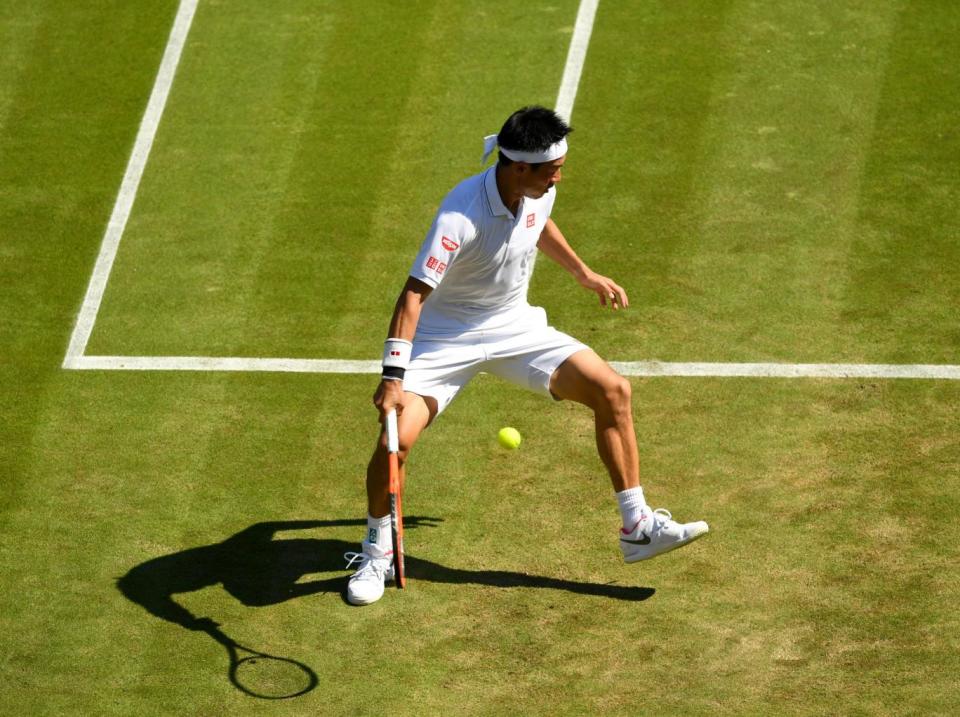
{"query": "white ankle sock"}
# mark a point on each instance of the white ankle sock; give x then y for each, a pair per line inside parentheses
(379, 534)
(632, 504)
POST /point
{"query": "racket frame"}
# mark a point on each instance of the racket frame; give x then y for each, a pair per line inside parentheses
(396, 502)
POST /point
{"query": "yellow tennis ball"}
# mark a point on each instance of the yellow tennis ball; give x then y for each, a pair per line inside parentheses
(509, 437)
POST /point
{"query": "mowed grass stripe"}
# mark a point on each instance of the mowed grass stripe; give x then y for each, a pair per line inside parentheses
(643, 99)
(18, 33)
(229, 139)
(733, 219)
(789, 132)
(277, 226)
(72, 111)
(904, 271)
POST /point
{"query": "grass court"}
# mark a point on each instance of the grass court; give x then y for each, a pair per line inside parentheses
(769, 182)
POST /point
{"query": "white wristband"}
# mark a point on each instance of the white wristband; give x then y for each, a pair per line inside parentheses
(396, 358)
(396, 353)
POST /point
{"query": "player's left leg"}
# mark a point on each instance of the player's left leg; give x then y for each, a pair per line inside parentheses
(586, 378)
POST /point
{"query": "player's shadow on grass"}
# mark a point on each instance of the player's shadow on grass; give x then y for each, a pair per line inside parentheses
(259, 569)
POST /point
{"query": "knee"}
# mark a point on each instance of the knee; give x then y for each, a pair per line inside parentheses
(379, 457)
(405, 445)
(618, 395)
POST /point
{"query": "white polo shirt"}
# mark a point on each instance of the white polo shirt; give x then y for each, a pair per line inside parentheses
(478, 258)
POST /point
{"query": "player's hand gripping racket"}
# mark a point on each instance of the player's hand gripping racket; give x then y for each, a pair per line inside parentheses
(396, 509)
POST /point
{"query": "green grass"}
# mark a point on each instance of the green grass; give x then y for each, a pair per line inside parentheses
(769, 183)
(306, 159)
(757, 188)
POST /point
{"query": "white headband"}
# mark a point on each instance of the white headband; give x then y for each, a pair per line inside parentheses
(554, 151)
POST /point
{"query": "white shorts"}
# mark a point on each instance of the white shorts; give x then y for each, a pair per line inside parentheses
(528, 356)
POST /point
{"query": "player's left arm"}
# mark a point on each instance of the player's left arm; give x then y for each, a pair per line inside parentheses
(554, 245)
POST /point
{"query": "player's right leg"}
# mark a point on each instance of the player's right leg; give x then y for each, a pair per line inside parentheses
(376, 559)
(416, 415)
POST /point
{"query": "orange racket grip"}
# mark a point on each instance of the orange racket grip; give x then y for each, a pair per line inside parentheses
(396, 502)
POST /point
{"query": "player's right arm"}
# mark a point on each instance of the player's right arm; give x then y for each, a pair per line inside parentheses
(403, 327)
(444, 242)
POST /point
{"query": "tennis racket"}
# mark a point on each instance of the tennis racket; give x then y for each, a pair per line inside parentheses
(396, 509)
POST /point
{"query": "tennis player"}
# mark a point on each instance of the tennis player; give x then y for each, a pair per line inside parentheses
(464, 310)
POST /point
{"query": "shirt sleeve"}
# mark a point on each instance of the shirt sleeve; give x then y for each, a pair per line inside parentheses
(440, 248)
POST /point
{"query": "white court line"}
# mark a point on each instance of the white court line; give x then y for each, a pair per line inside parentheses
(130, 184)
(576, 57)
(75, 358)
(625, 368)
(787, 370)
(224, 363)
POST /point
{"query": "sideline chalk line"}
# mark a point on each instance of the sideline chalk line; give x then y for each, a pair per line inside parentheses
(576, 56)
(569, 83)
(131, 182)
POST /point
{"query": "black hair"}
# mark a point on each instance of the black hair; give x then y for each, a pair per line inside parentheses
(531, 129)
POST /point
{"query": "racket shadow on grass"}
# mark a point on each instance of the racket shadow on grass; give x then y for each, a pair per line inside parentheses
(259, 569)
(262, 675)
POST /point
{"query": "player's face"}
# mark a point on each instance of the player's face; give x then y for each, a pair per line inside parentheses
(544, 177)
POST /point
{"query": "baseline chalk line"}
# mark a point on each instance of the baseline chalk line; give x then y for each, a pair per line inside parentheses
(625, 368)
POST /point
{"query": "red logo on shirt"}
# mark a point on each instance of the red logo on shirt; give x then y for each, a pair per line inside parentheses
(437, 265)
(531, 220)
(448, 243)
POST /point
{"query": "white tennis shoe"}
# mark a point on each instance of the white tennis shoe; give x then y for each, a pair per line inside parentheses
(376, 569)
(657, 532)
